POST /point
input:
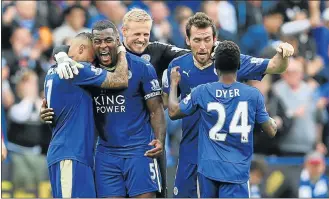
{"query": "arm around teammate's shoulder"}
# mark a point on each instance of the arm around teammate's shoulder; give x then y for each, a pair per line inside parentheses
(119, 78)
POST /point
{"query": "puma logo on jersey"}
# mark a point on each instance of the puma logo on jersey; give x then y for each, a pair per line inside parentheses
(186, 73)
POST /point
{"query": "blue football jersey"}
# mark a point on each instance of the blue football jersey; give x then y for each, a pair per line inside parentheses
(73, 127)
(228, 114)
(121, 116)
(251, 69)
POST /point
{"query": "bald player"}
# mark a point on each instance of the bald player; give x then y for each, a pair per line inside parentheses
(70, 155)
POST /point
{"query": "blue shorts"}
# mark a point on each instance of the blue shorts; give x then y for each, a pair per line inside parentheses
(186, 180)
(215, 189)
(116, 176)
(72, 179)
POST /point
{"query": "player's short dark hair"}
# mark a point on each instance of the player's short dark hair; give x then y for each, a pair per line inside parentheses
(227, 57)
(200, 20)
(104, 24)
(86, 35)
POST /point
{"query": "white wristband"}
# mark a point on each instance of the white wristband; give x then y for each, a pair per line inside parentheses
(121, 49)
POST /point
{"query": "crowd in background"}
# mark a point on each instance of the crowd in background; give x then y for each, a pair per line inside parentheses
(297, 99)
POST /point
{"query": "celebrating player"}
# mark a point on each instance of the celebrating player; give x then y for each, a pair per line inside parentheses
(228, 110)
(198, 68)
(127, 121)
(70, 154)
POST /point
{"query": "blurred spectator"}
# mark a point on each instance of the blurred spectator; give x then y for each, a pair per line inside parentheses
(212, 9)
(138, 4)
(313, 181)
(111, 10)
(227, 17)
(24, 54)
(321, 35)
(258, 36)
(75, 18)
(22, 14)
(27, 134)
(257, 174)
(7, 94)
(322, 102)
(248, 13)
(182, 13)
(292, 8)
(277, 110)
(161, 29)
(296, 94)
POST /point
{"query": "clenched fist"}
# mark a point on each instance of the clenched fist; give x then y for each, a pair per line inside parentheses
(285, 49)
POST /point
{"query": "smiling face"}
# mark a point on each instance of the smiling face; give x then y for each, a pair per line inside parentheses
(105, 43)
(201, 41)
(137, 35)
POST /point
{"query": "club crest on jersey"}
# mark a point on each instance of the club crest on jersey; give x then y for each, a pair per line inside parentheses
(97, 71)
(155, 85)
(130, 74)
(175, 191)
(147, 57)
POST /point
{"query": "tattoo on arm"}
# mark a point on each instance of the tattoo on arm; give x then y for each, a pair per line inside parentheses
(119, 78)
(157, 117)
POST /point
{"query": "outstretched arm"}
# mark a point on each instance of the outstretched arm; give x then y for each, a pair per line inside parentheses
(279, 63)
(173, 104)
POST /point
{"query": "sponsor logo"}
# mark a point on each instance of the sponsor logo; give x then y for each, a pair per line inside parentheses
(110, 103)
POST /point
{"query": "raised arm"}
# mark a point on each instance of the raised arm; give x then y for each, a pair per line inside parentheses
(279, 63)
(119, 78)
(173, 104)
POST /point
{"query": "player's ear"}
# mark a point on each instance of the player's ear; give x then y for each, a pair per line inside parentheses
(187, 41)
(81, 48)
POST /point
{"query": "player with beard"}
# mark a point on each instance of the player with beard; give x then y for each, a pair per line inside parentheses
(198, 68)
(130, 123)
(228, 112)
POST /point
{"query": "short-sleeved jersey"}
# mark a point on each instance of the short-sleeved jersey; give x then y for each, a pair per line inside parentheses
(251, 68)
(121, 116)
(228, 114)
(73, 129)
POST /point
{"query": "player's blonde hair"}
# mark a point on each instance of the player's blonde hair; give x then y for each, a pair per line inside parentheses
(136, 15)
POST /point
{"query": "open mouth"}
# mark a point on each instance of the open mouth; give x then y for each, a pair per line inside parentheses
(105, 56)
(202, 55)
